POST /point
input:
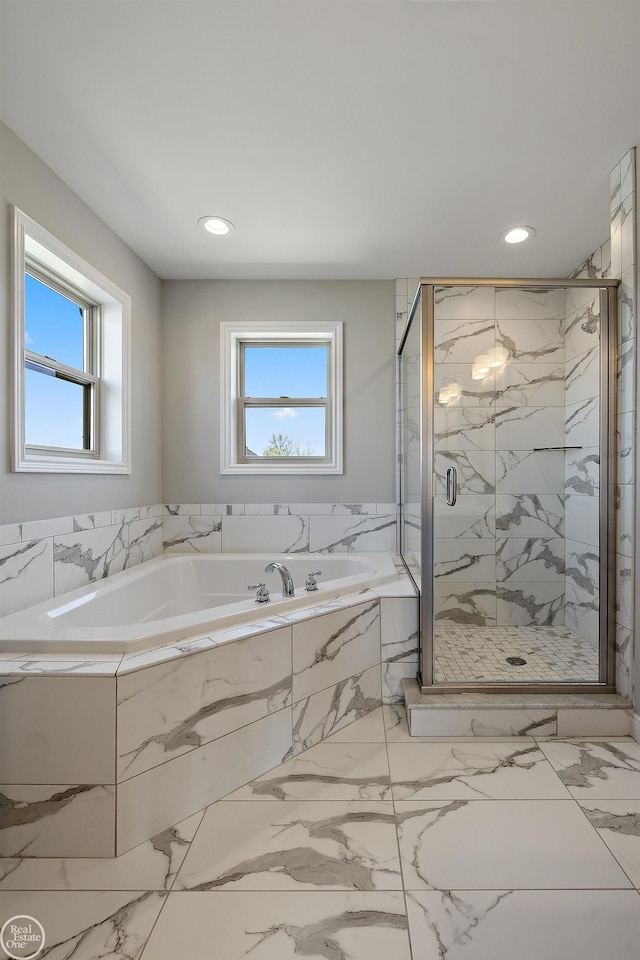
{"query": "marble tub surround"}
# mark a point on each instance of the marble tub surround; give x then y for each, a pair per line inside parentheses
(40, 559)
(181, 725)
(322, 856)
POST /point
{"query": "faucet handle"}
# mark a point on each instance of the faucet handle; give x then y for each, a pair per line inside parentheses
(311, 584)
(262, 594)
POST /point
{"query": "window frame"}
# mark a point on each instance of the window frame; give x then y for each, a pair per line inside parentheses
(234, 337)
(107, 351)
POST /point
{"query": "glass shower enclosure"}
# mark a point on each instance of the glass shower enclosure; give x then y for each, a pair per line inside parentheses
(507, 436)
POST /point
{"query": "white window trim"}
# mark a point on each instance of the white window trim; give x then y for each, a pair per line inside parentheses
(231, 335)
(33, 242)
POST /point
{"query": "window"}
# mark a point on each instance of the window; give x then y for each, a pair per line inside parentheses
(71, 359)
(281, 398)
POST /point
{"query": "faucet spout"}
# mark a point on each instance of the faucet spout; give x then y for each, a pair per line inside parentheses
(288, 589)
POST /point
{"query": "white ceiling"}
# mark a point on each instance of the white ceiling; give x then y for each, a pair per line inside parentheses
(344, 138)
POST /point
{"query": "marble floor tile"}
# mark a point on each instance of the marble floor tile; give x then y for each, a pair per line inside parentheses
(618, 823)
(328, 771)
(597, 769)
(432, 771)
(151, 866)
(502, 844)
(524, 924)
(87, 926)
(294, 845)
(368, 729)
(279, 926)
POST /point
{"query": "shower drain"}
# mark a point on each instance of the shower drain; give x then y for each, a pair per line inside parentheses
(516, 661)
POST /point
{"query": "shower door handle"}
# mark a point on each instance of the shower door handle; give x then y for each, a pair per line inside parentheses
(452, 486)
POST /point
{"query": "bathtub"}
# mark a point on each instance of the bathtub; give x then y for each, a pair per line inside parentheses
(175, 597)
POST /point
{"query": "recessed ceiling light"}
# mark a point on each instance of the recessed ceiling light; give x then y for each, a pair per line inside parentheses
(218, 226)
(517, 234)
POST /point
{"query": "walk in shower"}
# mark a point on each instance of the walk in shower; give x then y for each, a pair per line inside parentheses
(507, 478)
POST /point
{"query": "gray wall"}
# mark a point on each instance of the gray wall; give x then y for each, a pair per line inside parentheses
(29, 184)
(191, 317)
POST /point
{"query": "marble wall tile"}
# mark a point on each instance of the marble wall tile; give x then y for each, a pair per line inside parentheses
(66, 732)
(344, 534)
(522, 428)
(583, 566)
(577, 340)
(539, 471)
(530, 384)
(145, 539)
(62, 820)
(542, 303)
(39, 529)
(10, 533)
(582, 471)
(627, 174)
(624, 661)
(532, 559)
(582, 377)
(464, 428)
(257, 534)
(466, 603)
(461, 341)
(627, 232)
(167, 710)
(625, 440)
(88, 555)
(331, 648)
(91, 521)
(624, 593)
(464, 560)
(323, 713)
(626, 305)
(529, 602)
(625, 519)
(581, 424)
(399, 629)
(222, 509)
(192, 534)
(577, 298)
(582, 613)
(180, 509)
(529, 516)
(476, 470)
(392, 676)
(582, 518)
(462, 303)
(472, 516)
(26, 574)
(593, 723)
(625, 376)
(532, 341)
(160, 797)
(472, 393)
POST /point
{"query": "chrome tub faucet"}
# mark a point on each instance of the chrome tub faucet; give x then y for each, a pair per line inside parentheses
(288, 588)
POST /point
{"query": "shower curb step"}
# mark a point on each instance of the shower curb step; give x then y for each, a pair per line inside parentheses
(515, 715)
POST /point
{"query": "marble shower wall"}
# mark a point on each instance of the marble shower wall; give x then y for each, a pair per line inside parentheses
(624, 266)
(499, 553)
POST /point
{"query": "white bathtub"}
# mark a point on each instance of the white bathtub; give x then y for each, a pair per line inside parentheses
(174, 597)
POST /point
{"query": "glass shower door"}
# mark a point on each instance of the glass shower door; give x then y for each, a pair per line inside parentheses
(516, 538)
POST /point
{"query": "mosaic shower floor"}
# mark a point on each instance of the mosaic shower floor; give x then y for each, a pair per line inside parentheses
(552, 654)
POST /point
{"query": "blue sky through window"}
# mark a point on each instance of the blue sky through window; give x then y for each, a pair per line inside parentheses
(286, 371)
(54, 328)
